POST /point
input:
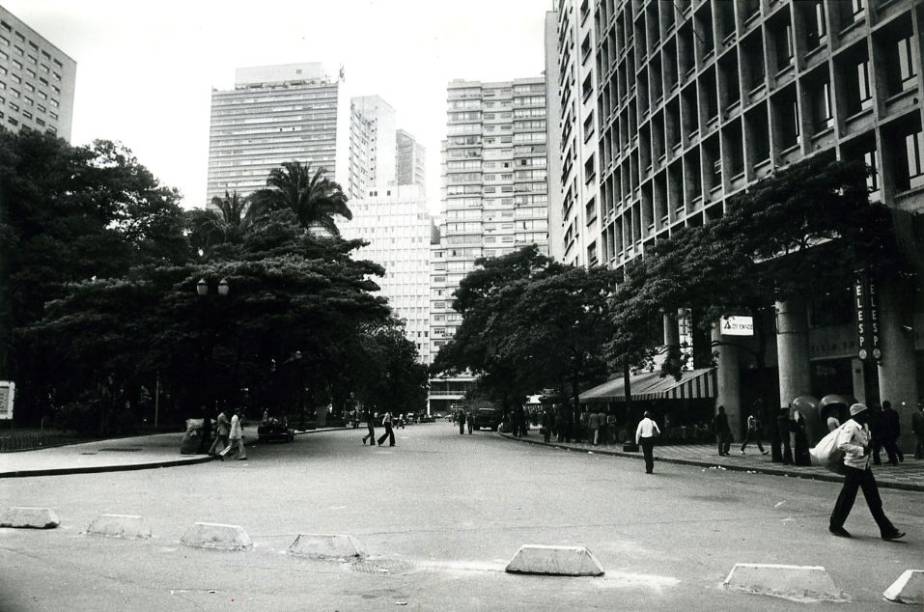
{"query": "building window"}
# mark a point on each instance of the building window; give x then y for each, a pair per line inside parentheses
(859, 94)
(782, 36)
(914, 160)
(900, 67)
(821, 107)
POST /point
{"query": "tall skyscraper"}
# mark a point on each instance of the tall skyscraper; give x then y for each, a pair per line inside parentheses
(276, 114)
(396, 224)
(495, 195)
(411, 160)
(36, 80)
(685, 105)
(372, 145)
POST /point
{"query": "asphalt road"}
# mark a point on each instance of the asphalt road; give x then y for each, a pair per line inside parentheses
(439, 516)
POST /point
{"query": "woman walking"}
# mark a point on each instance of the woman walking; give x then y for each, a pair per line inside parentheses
(236, 437)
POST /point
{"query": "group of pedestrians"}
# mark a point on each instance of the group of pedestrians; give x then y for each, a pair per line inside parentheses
(229, 436)
(387, 422)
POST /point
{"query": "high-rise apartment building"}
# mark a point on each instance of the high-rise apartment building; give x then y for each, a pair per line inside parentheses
(410, 160)
(396, 224)
(494, 191)
(372, 145)
(684, 104)
(36, 80)
(277, 114)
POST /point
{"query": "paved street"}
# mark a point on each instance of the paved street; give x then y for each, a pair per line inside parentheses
(440, 515)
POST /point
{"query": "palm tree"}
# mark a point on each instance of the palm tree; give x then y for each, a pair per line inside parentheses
(314, 198)
(225, 221)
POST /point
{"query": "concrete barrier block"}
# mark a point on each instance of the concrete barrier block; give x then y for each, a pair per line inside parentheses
(555, 561)
(319, 546)
(217, 537)
(21, 517)
(793, 582)
(908, 589)
(119, 526)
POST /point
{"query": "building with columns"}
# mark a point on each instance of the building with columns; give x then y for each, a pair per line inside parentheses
(668, 109)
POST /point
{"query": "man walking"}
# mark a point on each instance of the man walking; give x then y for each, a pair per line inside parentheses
(235, 438)
(753, 435)
(722, 432)
(594, 422)
(644, 436)
(461, 417)
(917, 426)
(389, 432)
(854, 440)
(222, 429)
(370, 427)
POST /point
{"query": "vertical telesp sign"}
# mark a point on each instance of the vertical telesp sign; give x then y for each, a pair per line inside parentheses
(866, 301)
(7, 393)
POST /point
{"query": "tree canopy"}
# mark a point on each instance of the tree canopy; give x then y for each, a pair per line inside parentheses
(103, 268)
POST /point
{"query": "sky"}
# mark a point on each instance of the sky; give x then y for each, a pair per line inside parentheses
(145, 69)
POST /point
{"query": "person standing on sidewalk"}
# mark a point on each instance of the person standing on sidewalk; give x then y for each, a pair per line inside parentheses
(891, 431)
(917, 426)
(645, 436)
(722, 432)
(461, 417)
(753, 435)
(593, 423)
(470, 421)
(370, 427)
(854, 440)
(222, 429)
(389, 432)
(236, 437)
(784, 428)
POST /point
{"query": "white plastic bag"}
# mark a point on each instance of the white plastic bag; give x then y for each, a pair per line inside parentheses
(826, 453)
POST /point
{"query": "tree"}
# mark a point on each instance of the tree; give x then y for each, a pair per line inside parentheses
(802, 232)
(71, 214)
(314, 198)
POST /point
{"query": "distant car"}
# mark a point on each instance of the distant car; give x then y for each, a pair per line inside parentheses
(489, 418)
(275, 428)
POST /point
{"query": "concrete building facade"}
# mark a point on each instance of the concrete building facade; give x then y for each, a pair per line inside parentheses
(396, 224)
(410, 160)
(276, 114)
(695, 101)
(37, 80)
(494, 195)
(372, 145)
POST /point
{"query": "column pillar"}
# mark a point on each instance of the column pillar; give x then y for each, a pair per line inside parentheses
(897, 379)
(728, 379)
(792, 347)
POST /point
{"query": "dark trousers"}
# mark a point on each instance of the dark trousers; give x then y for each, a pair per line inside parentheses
(462, 426)
(893, 451)
(919, 448)
(647, 445)
(860, 479)
(371, 435)
(389, 434)
(786, 454)
(723, 441)
(752, 436)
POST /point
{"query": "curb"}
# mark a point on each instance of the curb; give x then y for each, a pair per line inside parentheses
(96, 469)
(731, 468)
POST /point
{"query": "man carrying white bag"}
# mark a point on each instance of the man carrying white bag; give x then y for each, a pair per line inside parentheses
(846, 451)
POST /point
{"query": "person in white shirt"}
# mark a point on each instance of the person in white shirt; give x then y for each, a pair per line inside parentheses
(853, 439)
(644, 436)
(389, 432)
(236, 438)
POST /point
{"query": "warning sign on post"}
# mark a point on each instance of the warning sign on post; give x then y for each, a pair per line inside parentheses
(7, 391)
(737, 326)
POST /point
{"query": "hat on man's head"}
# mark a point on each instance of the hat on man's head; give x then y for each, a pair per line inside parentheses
(856, 409)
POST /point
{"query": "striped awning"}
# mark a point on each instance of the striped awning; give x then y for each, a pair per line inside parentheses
(693, 384)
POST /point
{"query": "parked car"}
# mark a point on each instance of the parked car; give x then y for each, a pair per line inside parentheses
(275, 428)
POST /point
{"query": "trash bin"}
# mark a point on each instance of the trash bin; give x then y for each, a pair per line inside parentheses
(192, 437)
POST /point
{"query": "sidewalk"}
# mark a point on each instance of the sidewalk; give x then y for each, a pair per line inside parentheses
(116, 455)
(908, 475)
